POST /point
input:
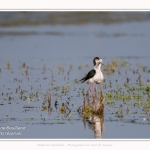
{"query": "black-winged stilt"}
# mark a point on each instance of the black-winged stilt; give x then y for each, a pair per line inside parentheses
(95, 75)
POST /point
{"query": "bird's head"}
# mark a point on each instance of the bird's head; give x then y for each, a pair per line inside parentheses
(97, 61)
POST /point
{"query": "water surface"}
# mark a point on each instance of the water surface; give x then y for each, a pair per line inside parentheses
(48, 51)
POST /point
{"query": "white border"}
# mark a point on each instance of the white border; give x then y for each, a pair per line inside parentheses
(80, 144)
(74, 4)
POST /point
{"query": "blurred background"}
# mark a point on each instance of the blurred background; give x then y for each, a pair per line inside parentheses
(76, 34)
(70, 18)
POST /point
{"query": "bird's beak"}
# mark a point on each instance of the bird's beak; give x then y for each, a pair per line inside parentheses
(100, 63)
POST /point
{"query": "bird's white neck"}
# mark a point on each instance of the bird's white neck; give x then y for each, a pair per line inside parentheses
(98, 68)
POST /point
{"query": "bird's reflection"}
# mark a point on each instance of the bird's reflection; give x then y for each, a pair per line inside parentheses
(95, 119)
(97, 123)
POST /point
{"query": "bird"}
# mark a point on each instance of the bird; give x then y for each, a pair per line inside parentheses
(95, 75)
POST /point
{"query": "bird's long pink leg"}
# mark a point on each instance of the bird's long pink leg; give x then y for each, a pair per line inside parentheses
(88, 91)
(95, 88)
(91, 88)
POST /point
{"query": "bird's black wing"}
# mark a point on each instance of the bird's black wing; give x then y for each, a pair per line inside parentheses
(88, 76)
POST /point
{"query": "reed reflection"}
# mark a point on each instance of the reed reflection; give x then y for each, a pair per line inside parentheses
(92, 112)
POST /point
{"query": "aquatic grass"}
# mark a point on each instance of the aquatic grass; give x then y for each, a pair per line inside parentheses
(112, 66)
(147, 89)
(43, 108)
(110, 96)
(79, 67)
(118, 97)
(86, 66)
(87, 111)
(123, 63)
(8, 65)
(148, 98)
(119, 88)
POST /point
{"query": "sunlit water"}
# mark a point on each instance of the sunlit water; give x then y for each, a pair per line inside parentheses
(62, 46)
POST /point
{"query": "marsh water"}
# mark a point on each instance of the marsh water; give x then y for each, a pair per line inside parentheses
(50, 58)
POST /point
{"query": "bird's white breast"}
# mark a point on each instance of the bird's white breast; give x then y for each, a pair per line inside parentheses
(98, 77)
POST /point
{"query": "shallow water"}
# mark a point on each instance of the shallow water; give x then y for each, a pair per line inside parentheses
(48, 50)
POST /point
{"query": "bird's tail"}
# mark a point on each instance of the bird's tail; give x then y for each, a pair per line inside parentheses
(82, 80)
